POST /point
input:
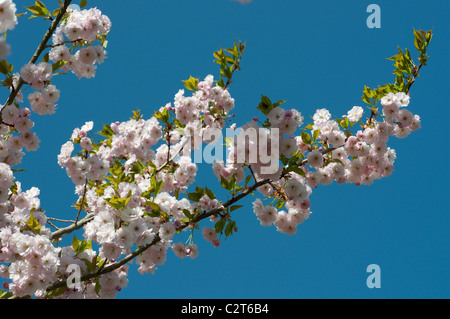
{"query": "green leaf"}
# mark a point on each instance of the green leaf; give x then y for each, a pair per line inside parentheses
(230, 227)
(296, 169)
(136, 115)
(58, 65)
(315, 135)
(5, 67)
(219, 226)
(247, 179)
(154, 206)
(97, 287)
(83, 3)
(158, 187)
(34, 9)
(33, 224)
(306, 138)
(279, 204)
(5, 294)
(234, 207)
(164, 116)
(187, 213)
(195, 197)
(107, 131)
(75, 243)
(191, 83)
(224, 182)
(278, 103)
(209, 193)
(265, 106)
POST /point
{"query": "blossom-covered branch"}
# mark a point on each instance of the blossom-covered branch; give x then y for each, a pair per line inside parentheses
(136, 181)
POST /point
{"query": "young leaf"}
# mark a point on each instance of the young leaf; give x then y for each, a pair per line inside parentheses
(191, 83)
(209, 193)
(219, 226)
(306, 138)
(234, 207)
(230, 227)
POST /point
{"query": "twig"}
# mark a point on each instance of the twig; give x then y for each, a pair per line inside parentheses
(61, 220)
(415, 75)
(51, 224)
(82, 201)
(67, 230)
(62, 43)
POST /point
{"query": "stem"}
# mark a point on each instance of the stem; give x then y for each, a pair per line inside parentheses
(171, 159)
(415, 75)
(82, 201)
(62, 43)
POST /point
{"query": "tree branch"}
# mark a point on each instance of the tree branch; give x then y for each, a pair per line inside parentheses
(67, 230)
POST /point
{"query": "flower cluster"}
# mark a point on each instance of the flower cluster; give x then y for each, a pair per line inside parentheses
(81, 28)
(336, 154)
(285, 222)
(8, 19)
(107, 286)
(25, 243)
(16, 119)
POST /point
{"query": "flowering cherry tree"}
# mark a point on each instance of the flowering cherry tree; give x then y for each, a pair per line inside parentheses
(135, 180)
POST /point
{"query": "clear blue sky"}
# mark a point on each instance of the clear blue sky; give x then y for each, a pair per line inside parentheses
(313, 54)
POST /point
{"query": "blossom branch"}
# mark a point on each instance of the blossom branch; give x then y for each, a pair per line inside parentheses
(140, 250)
(42, 46)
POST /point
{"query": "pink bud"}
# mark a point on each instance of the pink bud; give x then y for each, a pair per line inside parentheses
(24, 112)
(288, 114)
(82, 134)
(215, 242)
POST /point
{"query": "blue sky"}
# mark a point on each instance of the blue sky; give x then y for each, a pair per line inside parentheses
(313, 54)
